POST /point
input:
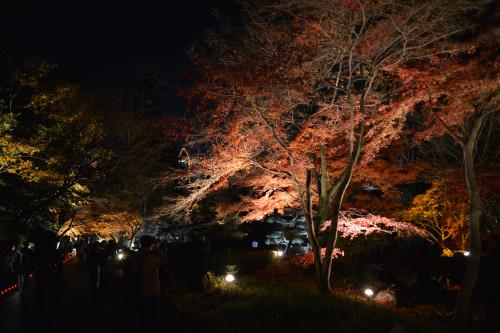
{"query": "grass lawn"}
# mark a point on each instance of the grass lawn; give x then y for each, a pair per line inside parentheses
(253, 305)
(284, 303)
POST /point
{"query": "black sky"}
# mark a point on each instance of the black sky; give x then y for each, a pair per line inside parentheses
(106, 43)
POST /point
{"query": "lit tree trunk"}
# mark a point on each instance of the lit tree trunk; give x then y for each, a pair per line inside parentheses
(330, 201)
(133, 231)
(61, 234)
(464, 300)
(338, 192)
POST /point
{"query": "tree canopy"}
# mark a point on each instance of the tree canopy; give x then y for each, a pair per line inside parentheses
(63, 148)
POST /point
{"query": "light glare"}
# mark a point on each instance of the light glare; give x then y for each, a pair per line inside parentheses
(229, 278)
(368, 292)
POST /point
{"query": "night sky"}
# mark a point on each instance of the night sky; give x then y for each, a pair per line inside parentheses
(106, 44)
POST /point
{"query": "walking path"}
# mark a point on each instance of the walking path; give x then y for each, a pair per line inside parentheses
(75, 307)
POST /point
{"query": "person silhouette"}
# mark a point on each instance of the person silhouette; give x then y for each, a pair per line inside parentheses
(144, 272)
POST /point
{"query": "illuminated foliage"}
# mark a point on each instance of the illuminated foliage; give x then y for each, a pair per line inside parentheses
(353, 224)
(305, 91)
(62, 147)
(443, 219)
(462, 99)
(13, 157)
(48, 149)
(93, 220)
(16, 89)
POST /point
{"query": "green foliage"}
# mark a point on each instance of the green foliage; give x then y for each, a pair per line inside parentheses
(15, 152)
(49, 149)
(217, 283)
(61, 146)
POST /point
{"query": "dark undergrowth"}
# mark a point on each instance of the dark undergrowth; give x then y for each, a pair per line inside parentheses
(253, 305)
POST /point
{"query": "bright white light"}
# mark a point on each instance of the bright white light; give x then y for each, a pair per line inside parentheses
(57, 246)
(229, 278)
(368, 292)
(120, 256)
(279, 253)
(466, 253)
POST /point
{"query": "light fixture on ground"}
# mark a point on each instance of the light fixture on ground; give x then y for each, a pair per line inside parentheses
(278, 253)
(120, 256)
(229, 278)
(466, 253)
(368, 292)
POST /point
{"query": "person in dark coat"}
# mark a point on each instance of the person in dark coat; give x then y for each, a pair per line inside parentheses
(21, 263)
(143, 275)
(48, 265)
(92, 260)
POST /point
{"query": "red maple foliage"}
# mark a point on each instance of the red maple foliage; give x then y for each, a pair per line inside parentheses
(313, 83)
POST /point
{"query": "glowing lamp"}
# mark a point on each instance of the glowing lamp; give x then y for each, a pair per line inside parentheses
(368, 292)
(229, 278)
(120, 256)
(278, 253)
(466, 253)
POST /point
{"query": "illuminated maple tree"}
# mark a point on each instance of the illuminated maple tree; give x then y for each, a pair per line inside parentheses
(355, 224)
(301, 84)
(91, 220)
(455, 97)
(467, 106)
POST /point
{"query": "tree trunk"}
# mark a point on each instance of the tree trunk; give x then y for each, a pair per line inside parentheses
(339, 190)
(326, 268)
(330, 201)
(464, 299)
(311, 230)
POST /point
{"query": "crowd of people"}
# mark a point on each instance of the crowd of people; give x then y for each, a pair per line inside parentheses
(126, 281)
(123, 282)
(40, 263)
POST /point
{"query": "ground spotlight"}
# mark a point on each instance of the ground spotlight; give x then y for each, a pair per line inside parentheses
(466, 253)
(120, 256)
(368, 292)
(278, 253)
(229, 278)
